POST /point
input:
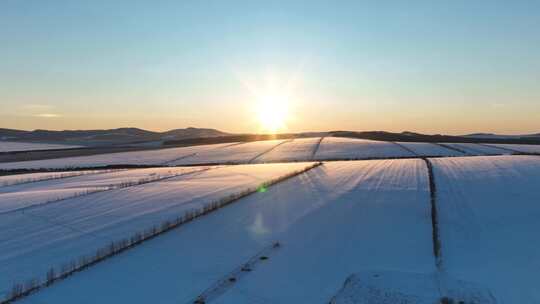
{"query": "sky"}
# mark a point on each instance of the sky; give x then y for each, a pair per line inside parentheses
(450, 67)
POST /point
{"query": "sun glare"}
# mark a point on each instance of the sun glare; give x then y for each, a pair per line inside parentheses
(272, 112)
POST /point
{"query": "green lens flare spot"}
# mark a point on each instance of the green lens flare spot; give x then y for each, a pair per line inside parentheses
(262, 189)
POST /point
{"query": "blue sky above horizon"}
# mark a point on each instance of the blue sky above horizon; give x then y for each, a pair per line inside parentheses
(428, 66)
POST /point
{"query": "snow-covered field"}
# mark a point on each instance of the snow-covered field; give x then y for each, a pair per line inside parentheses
(340, 226)
(48, 235)
(429, 149)
(150, 157)
(349, 148)
(489, 221)
(235, 153)
(11, 146)
(332, 221)
(300, 149)
(19, 196)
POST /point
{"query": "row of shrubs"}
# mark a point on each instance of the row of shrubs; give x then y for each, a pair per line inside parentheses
(126, 184)
(55, 274)
(26, 180)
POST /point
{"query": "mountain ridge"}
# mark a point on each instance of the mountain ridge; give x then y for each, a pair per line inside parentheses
(116, 135)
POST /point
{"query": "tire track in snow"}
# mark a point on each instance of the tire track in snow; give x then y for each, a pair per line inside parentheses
(316, 148)
(178, 158)
(166, 163)
(476, 151)
(405, 148)
(227, 281)
(452, 148)
(269, 150)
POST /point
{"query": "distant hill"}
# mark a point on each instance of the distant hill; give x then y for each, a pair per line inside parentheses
(134, 137)
(192, 133)
(501, 136)
(108, 137)
(417, 137)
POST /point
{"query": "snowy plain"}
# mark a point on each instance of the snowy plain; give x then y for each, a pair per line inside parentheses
(340, 219)
(332, 221)
(12, 146)
(49, 235)
(489, 218)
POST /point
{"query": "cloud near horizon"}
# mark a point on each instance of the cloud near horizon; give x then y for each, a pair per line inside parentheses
(47, 115)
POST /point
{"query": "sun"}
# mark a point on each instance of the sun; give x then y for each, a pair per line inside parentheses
(272, 111)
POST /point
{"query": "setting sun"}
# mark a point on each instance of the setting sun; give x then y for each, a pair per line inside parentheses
(272, 111)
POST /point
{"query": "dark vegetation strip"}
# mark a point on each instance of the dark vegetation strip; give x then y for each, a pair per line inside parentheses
(269, 150)
(57, 274)
(373, 135)
(88, 149)
(452, 148)
(122, 185)
(16, 156)
(416, 137)
(316, 148)
(434, 216)
(228, 139)
(383, 158)
(405, 148)
(227, 281)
